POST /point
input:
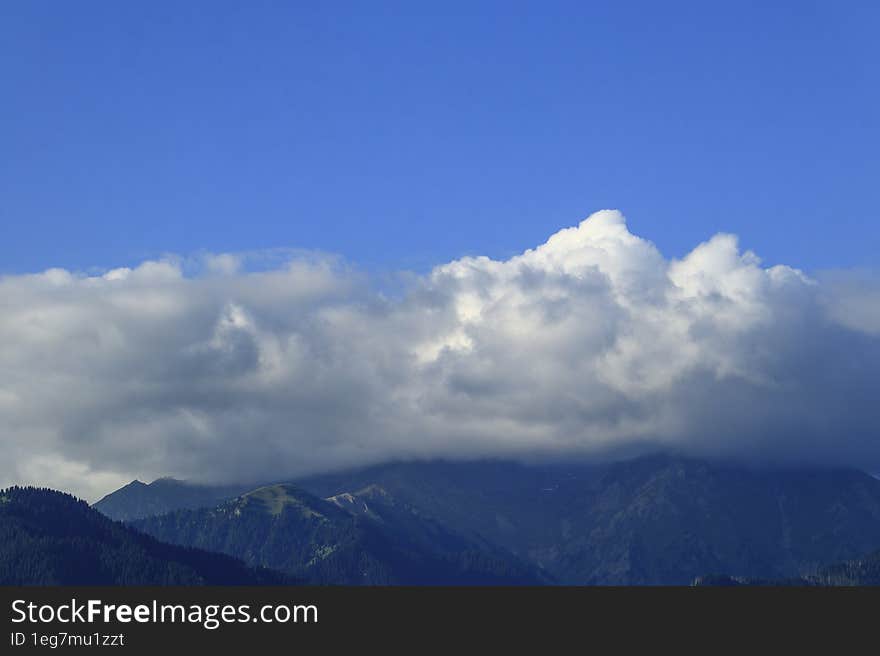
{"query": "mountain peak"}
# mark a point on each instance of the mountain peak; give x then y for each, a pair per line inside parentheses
(356, 503)
(275, 499)
(138, 499)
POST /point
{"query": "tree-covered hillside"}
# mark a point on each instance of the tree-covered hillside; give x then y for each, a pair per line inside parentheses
(864, 571)
(652, 520)
(52, 538)
(285, 528)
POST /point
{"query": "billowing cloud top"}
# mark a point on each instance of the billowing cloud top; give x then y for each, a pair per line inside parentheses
(592, 344)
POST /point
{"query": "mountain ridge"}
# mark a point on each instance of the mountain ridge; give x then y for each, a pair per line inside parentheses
(660, 519)
(138, 499)
(286, 528)
(650, 520)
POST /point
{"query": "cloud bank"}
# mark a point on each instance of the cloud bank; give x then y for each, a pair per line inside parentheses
(593, 344)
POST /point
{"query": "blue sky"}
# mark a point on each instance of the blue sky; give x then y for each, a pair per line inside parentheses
(402, 135)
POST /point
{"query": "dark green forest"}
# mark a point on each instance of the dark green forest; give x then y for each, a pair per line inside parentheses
(864, 571)
(53, 538)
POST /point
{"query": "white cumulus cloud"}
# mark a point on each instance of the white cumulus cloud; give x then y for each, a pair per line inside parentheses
(592, 344)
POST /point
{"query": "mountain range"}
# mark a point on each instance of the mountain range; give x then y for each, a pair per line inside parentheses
(652, 520)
